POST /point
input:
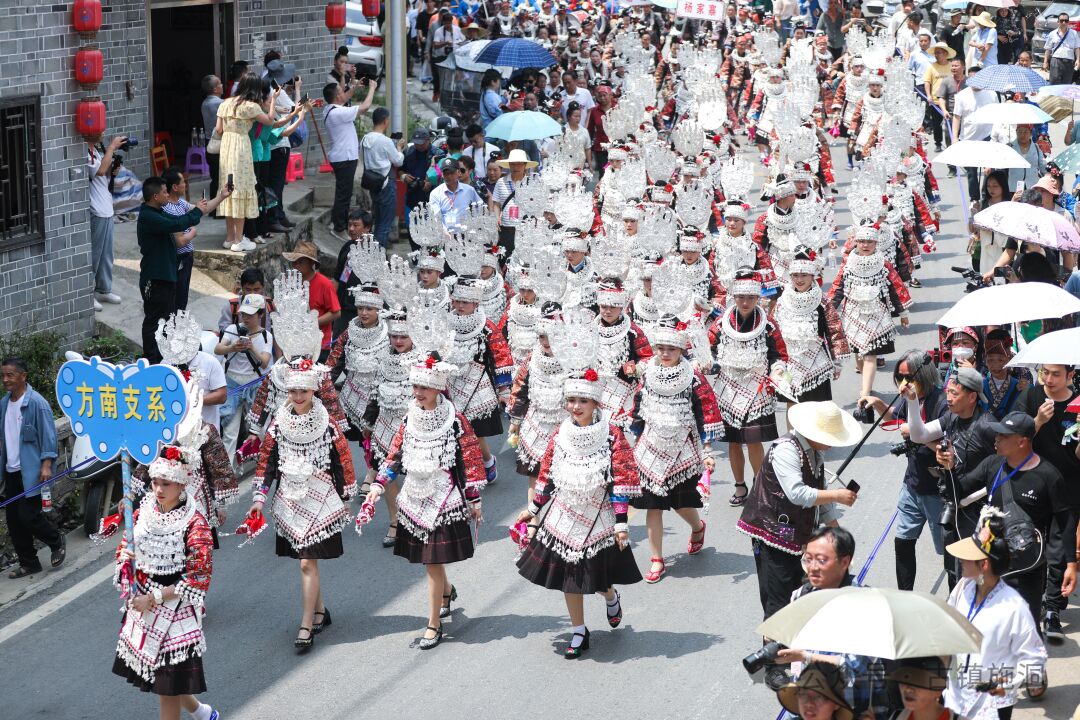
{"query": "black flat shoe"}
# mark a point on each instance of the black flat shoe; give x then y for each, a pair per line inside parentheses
(389, 540)
(616, 619)
(573, 653)
(23, 571)
(59, 554)
(444, 611)
(428, 643)
(304, 644)
(326, 621)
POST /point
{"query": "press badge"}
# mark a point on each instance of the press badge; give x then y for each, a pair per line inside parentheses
(513, 212)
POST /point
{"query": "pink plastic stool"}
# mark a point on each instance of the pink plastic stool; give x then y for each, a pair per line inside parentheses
(295, 169)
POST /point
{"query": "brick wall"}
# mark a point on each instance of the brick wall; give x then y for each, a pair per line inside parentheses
(48, 284)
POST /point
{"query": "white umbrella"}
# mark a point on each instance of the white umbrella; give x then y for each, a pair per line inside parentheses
(981, 153)
(1010, 113)
(1011, 303)
(876, 622)
(1061, 347)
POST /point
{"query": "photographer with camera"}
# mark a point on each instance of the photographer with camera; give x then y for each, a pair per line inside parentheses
(248, 351)
(919, 503)
(966, 440)
(102, 164)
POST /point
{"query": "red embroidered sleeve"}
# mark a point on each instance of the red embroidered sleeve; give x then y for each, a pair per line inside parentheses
(392, 463)
(640, 350)
(500, 354)
(519, 395)
(924, 212)
(327, 393)
(840, 96)
(337, 350)
(758, 235)
(758, 99)
(258, 412)
(825, 166)
(266, 467)
(856, 119)
(472, 459)
(835, 335)
(344, 456)
(706, 398)
(624, 473)
(776, 341)
(544, 485)
(217, 469)
(898, 292)
(717, 291)
(836, 293)
(199, 564)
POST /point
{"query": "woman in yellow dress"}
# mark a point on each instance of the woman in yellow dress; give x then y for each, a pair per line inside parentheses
(234, 119)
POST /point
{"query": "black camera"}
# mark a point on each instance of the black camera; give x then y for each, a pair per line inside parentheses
(902, 448)
(761, 657)
(241, 330)
(974, 279)
(864, 414)
(129, 143)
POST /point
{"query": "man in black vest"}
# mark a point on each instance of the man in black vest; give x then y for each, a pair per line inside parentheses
(789, 498)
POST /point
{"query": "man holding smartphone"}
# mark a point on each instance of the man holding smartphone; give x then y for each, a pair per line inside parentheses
(343, 155)
(381, 155)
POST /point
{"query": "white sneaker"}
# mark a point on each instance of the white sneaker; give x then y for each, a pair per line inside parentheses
(109, 297)
(97, 306)
(244, 245)
(227, 245)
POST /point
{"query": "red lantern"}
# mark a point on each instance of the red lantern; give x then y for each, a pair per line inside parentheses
(89, 67)
(86, 16)
(90, 118)
(335, 17)
(370, 8)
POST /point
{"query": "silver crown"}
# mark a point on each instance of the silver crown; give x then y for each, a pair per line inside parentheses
(296, 325)
(693, 203)
(672, 289)
(178, 338)
(689, 138)
(574, 207)
(611, 256)
(426, 226)
(660, 161)
(576, 340)
(631, 179)
(397, 282)
(481, 222)
(736, 178)
(365, 259)
(430, 328)
(464, 253)
(658, 230)
(531, 195)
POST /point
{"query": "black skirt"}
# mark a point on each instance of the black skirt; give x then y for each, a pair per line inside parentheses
(761, 430)
(546, 568)
(488, 426)
(183, 678)
(683, 495)
(528, 468)
(881, 351)
(821, 393)
(445, 544)
(327, 549)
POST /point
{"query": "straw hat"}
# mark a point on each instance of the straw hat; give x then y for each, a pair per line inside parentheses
(517, 155)
(303, 249)
(929, 673)
(473, 26)
(985, 19)
(824, 679)
(824, 422)
(942, 46)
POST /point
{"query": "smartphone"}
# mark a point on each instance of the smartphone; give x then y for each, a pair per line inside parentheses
(229, 182)
(304, 99)
(1020, 186)
(854, 486)
(203, 193)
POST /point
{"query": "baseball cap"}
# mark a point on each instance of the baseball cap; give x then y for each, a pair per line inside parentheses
(420, 135)
(252, 304)
(971, 379)
(1015, 423)
(450, 164)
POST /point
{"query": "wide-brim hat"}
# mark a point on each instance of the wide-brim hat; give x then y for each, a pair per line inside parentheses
(942, 46)
(825, 422)
(985, 19)
(822, 680)
(474, 26)
(929, 673)
(966, 549)
(303, 249)
(280, 72)
(517, 155)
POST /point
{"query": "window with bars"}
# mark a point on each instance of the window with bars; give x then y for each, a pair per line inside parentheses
(22, 219)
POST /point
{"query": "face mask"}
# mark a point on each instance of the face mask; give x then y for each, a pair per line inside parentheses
(961, 354)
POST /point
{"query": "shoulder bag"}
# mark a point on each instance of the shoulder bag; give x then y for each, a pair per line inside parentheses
(372, 180)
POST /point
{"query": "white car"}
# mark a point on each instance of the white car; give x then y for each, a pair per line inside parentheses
(363, 38)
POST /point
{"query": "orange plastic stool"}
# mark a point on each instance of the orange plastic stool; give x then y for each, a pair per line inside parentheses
(295, 169)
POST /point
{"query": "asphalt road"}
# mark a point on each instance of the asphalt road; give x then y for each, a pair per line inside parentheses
(677, 654)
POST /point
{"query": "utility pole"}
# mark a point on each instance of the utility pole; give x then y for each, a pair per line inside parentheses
(396, 65)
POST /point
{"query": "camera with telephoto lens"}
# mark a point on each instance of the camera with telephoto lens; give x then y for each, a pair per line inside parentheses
(901, 448)
(128, 144)
(761, 657)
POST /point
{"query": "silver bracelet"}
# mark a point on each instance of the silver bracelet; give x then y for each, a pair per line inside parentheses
(157, 596)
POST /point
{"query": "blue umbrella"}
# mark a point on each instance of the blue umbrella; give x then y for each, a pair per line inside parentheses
(522, 125)
(516, 53)
(1007, 78)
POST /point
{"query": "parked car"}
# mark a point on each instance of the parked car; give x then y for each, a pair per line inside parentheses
(363, 38)
(1047, 22)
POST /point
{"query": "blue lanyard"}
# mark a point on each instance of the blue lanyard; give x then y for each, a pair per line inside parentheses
(972, 609)
(999, 481)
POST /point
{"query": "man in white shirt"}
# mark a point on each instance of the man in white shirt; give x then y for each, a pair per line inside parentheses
(242, 347)
(382, 155)
(1062, 52)
(899, 18)
(920, 60)
(284, 74)
(100, 170)
(340, 122)
(965, 103)
(479, 149)
(572, 92)
(453, 197)
(444, 38)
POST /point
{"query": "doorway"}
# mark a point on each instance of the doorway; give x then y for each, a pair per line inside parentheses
(189, 39)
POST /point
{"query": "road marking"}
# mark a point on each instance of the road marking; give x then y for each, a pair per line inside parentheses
(48, 608)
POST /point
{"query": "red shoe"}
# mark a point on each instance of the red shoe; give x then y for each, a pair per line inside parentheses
(653, 576)
(693, 547)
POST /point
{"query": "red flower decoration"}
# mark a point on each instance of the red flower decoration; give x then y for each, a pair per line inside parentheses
(668, 187)
(881, 72)
(717, 139)
(884, 199)
(650, 108)
(699, 235)
(812, 255)
(306, 364)
(493, 250)
(429, 362)
(680, 326)
(172, 453)
(591, 375)
(876, 226)
(186, 374)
